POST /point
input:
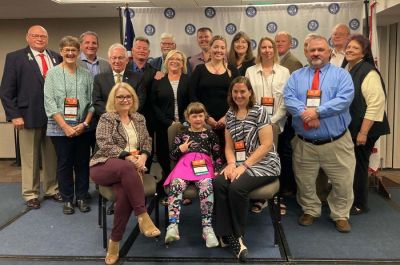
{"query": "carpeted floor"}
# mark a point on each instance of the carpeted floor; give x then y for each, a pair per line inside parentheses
(11, 203)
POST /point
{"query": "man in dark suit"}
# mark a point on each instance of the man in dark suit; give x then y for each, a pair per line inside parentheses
(167, 44)
(104, 82)
(22, 96)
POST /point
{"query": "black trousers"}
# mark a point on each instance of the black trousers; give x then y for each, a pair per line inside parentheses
(232, 202)
(73, 155)
(360, 184)
(287, 180)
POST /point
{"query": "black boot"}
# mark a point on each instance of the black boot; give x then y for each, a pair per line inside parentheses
(238, 248)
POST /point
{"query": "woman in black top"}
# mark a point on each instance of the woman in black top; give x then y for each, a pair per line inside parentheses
(169, 99)
(241, 53)
(210, 83)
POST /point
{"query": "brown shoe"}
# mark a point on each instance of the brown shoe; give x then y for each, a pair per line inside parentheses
(343, 226)
(306, 219)
(33, 204)
(55, 197)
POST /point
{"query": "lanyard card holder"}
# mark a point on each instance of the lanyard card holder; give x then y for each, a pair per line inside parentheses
(313, 98)
(71, 106)
(199, 167)
(240, 151)
(268, 102)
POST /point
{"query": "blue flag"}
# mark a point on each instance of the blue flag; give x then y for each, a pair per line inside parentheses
(129, 32)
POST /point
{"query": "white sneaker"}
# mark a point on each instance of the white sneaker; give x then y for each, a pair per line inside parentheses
(172, 233)
(209, 237)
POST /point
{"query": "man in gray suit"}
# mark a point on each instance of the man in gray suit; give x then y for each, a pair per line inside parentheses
(88, 58)
(287, 59)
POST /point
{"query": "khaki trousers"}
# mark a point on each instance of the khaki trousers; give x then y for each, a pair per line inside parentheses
(32, 142)
(337, 160)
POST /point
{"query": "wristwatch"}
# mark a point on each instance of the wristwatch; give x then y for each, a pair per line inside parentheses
(85, 124)
(317, 111)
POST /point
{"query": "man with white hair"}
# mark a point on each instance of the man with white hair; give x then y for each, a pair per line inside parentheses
(167, 44)
(283, 43)
(340, 36)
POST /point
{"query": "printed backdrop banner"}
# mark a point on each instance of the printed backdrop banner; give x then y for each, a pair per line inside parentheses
(256, 21)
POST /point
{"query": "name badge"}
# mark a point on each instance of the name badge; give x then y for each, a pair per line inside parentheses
(71, 106)
(313, 98)
(268, 102)
(199, 167)
(240, 151)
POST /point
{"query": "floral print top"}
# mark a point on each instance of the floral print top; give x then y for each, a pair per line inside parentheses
(206, 142)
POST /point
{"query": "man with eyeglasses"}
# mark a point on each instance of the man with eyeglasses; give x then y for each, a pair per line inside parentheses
(89, 42)
(167, 44)
(340, 36)
(22, 97)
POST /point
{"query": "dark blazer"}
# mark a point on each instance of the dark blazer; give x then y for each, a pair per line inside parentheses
(162, 100)
(104, 82)
(156, 63)
(22, 87)
(290, 62)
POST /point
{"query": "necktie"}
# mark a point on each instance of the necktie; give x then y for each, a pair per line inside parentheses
(44, 65)
(315, 82)
(118, 78)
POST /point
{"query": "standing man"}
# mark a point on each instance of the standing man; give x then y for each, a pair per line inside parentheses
(89, 42)
(167, 44)
(318, 97)
(104, 82)
(287, 59)
(204, 36)
(22, 96)
(340, 37)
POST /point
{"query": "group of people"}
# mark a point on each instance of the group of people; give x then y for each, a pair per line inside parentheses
(249, 121)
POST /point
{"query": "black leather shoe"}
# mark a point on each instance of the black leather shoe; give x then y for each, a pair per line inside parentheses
(82, 206)
(68, 208)
(33, 204)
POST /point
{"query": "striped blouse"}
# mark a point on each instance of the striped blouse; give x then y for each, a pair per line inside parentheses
(247, 130)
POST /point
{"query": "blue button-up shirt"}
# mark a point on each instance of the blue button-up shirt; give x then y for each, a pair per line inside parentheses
(337, 92)
(93, 67)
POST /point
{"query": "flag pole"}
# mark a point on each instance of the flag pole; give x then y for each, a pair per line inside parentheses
(366, 7)
(121, 21)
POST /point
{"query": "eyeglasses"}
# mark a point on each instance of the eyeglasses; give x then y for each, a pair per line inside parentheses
(120, 58)
(168, 43)
(37, 36)
(70, 50)
(122, 98)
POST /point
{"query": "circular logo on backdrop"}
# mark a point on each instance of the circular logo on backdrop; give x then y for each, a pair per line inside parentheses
(272, 27)
(131, 13)
(190, 29)
(354, 24)
(169, 13)
(253, 44)
(209, 12)
(294, 43)
(292, 10)
(330, 42)
(230, 28)
(149, 30)
(334, 8)
(251, 11)
(312, 25)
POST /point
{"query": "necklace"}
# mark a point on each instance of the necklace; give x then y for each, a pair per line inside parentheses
(216, 70)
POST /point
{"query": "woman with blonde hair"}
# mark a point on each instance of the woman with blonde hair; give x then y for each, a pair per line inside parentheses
(124, 146)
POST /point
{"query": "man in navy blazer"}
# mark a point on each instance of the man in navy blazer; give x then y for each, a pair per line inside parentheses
(104, 82)
(22, 96)
(167, 44)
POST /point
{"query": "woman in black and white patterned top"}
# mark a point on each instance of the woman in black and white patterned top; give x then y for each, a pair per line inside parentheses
(252, 162)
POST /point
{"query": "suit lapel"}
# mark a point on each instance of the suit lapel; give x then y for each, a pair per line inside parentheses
(34, 64)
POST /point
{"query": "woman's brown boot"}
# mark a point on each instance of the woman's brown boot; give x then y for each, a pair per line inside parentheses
(147, 226)
(112, 252)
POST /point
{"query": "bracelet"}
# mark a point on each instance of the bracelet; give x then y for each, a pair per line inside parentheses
(85, 124)
(245, 165)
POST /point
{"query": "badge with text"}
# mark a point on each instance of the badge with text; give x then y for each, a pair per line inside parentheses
(268, 102)
(313, 98)
(71, 106)
(199, 167)
(240, 151)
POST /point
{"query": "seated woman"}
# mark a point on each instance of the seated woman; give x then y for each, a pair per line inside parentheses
(252, 162)
(197, 149)
(124, 145)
